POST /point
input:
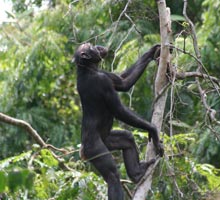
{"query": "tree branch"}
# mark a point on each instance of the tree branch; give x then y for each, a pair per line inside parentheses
(183, 75)
(212, 79)
(33, 133)
(17, 122)
(211, 112)
(159, 105)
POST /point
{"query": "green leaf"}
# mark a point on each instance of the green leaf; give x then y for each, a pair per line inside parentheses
(15, 180)
(28, 178)
(211, 173)
(3, 181)
(48, 158)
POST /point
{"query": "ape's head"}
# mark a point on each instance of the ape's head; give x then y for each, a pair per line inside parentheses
(87, 54)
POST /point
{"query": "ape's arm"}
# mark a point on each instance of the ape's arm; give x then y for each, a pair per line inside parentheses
(122, 113)
(129, 77)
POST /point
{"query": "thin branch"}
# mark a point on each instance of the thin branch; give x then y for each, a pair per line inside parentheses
(211, 112)
(183, 75)
(70, 8)
(194, 37)
(119, 46)
(174, 72)
(127, 190)
(119, 18)
(215, 133)
(17, 122)
(135, 26)
(200, 64)
(33, 133)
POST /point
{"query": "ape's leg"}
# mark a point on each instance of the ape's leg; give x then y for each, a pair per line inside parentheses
(124, 140)
(106, 166)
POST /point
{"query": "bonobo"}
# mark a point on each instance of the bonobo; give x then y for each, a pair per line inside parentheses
(100, 105)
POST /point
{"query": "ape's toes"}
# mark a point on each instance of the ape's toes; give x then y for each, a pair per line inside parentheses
(152, 161)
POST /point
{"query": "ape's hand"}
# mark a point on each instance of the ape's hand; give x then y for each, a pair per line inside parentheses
(158, 144)
(159, 148)
(155, 51)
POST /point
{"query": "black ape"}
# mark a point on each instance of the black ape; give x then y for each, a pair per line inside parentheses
(100, 105)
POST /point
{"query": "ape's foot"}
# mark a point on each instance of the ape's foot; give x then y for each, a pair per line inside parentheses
(143, 168)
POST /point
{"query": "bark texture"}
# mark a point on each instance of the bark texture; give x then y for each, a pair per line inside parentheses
(160, 82)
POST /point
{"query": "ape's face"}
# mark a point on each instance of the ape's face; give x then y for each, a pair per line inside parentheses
(89, 54)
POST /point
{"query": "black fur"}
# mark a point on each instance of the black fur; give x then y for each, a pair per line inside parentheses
(100, 105)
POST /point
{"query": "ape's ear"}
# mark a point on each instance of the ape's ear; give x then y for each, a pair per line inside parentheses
(85, 55)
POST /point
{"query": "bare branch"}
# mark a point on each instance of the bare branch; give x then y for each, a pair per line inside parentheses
(160, 83)
(17, 122)
(119, 18)
(211, 112)
(32, 132)
(128, 17)
(215, 132)
(119, 46)
(183, 75)
(200, 63)
(126, 189)
(194, 37)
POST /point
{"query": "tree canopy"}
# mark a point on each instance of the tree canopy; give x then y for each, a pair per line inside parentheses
(38, 86)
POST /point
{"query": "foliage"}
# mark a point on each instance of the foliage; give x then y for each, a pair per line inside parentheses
(181, 177)
(40, 80)
(35, 175)
(37, 79)
(38, 85)
(207, 148)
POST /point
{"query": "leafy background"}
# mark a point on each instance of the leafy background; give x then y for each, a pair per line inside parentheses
(38, 85)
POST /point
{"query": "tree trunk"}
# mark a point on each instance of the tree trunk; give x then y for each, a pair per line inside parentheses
(160, 101)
